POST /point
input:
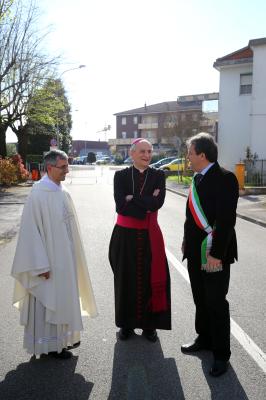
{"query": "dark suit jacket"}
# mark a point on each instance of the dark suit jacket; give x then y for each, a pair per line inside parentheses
(140, 204)
(218, 193)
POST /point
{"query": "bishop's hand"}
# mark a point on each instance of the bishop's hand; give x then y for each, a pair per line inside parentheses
(156, 192)
(45, 275)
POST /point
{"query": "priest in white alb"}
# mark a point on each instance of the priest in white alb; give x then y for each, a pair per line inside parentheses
(52, 283)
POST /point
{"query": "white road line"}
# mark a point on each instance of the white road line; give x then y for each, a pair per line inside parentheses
(246, 342)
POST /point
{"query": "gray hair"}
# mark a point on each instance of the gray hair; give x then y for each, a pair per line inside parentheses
(204, 143)
(134, 145)
(52, 156)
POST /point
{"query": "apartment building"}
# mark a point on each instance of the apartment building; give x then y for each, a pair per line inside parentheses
(166, 125)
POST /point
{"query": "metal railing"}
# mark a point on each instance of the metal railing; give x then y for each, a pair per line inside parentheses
(255, 173)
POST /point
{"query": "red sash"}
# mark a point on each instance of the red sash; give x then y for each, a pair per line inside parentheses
(158, 262)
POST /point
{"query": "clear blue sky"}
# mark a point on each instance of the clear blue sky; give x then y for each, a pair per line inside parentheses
(143, 50)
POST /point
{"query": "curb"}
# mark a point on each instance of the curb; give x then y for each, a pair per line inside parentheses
(245, 217)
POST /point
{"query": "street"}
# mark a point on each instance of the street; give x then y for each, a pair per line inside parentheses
(104, 367)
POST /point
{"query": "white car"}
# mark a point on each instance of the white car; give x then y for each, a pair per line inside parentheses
(104, 160)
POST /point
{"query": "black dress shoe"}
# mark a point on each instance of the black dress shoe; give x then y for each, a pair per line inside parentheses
(125, 333)
(219, 368)
(150, 334)
(193, 347)
(74, 346)
(64, 355)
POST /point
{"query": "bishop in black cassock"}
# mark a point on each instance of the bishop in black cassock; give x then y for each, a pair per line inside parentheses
(137, 254)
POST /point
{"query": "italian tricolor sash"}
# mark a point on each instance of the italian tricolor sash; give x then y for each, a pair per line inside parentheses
(201, 221)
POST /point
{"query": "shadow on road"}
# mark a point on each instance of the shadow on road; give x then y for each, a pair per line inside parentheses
(140, 372)
(226, 386)
(45, 379)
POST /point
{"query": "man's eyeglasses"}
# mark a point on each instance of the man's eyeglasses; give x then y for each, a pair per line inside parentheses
(63, 167)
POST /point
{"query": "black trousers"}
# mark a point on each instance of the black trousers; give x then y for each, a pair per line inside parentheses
(212, 320)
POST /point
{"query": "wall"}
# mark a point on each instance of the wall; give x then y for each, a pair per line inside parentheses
(258, 106)
(234, 116)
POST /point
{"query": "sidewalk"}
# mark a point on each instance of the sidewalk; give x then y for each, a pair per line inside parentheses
(11, 205)
(251, 207)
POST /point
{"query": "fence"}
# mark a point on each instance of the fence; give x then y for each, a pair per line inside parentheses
(255, 172)
(81, 174)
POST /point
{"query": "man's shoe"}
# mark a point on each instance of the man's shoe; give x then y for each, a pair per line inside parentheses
(219, 368)
(193, 347)
(64, 355)
(150, 334)
(125, 333)
(74, 346)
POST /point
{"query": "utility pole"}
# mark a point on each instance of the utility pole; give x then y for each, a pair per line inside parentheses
(105, 129)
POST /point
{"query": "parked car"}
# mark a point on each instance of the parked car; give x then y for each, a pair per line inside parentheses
(128, 161)
(104, 160)
(163, 161)
(175, 165)
(82, 160)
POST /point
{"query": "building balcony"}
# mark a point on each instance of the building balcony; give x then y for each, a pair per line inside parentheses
(207, 123)
(128, 142)
(170, 140)
(153, 125)
(120, 142)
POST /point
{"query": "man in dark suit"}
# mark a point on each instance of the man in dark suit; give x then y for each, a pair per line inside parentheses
(210, 247)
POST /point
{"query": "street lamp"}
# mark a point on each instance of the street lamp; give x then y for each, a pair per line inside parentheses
(67, 70)
(72, 69)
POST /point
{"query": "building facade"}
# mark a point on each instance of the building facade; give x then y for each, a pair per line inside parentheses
(166, 125)
(83, 147)
(242, 103)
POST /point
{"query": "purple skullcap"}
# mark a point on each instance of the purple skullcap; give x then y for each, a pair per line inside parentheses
(136, 141)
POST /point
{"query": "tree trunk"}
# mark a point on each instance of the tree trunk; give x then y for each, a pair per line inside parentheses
(3, 129)
(22, 143)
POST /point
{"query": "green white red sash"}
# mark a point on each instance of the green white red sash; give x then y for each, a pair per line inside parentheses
(201, 221)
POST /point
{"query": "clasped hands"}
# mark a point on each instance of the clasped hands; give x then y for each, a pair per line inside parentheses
(155, 194)
(213, 264)
(45, 275)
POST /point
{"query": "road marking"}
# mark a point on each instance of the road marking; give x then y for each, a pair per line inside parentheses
(246, 342)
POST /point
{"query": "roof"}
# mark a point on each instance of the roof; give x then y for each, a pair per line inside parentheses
(165, 107)
(241, 56)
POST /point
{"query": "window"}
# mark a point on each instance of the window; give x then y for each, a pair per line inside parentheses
(135, 120)
(124, 135)
(245, 83)
(124, 120)
(135, 134)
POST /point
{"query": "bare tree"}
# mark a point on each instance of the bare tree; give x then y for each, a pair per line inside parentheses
(177, 126)
(22, 69)
(5, 6)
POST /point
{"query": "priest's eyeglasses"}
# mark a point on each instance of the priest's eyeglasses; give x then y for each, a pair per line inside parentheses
(63, 167)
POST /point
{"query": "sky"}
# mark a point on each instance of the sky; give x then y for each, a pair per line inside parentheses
(141, 51)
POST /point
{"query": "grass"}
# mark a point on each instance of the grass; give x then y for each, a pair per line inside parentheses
(185, 180)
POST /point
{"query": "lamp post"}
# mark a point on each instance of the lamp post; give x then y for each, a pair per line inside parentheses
(62, 73)
(72, 69)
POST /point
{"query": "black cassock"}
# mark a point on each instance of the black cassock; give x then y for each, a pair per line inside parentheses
(130, 251)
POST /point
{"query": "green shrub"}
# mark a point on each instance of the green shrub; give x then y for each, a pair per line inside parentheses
(21, 172)
(12, 170)
(8, 171)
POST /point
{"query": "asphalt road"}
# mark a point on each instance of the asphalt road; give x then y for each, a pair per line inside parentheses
(106, 368)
